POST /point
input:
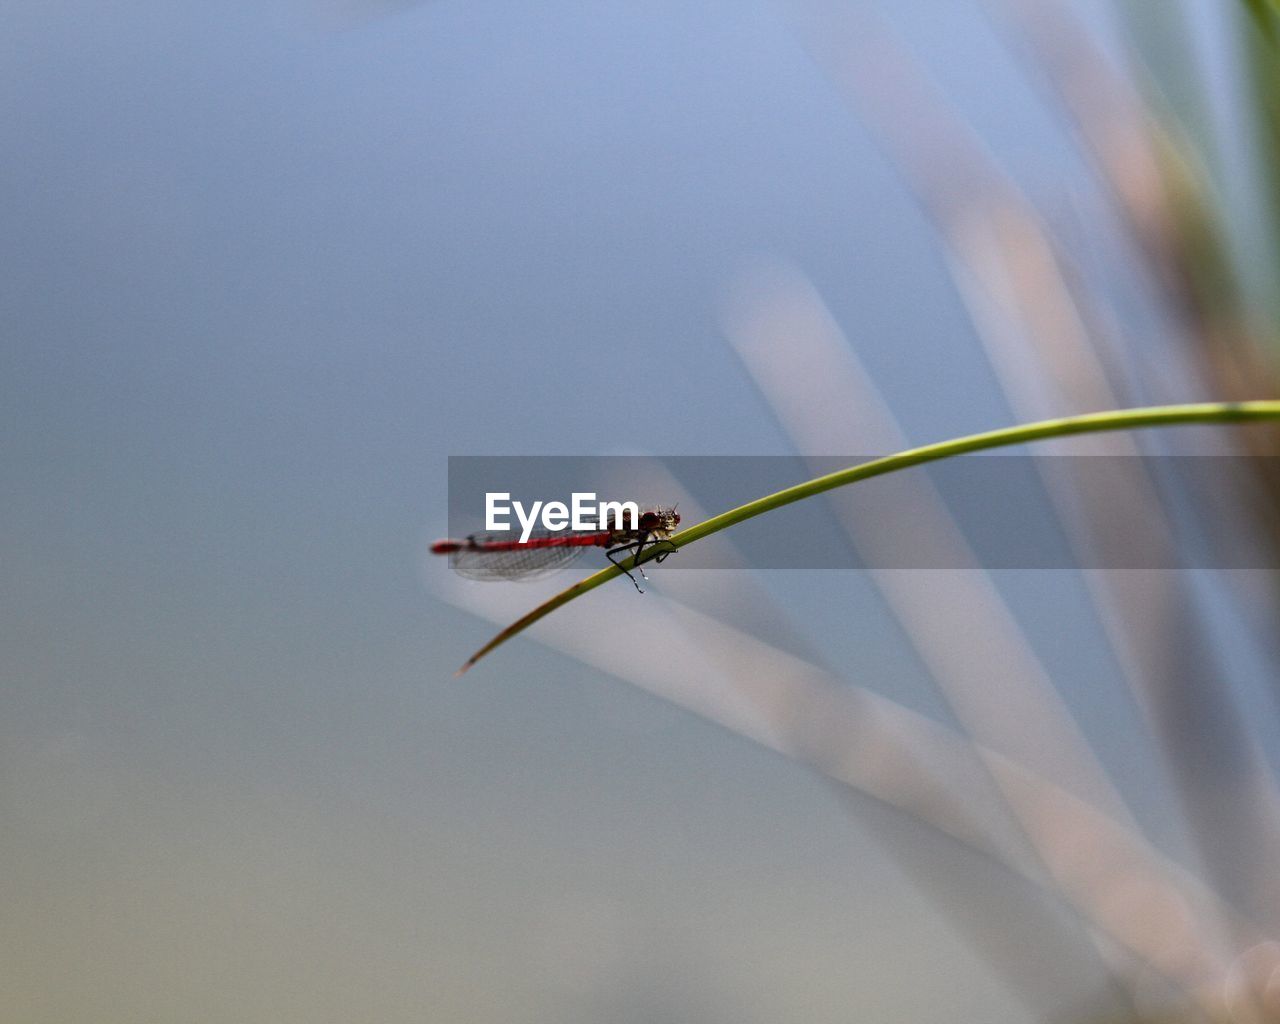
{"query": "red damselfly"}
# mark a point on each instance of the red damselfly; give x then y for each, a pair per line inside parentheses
(497, 556)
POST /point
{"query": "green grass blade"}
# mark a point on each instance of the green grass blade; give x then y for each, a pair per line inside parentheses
(1121, 419)
(1264, 14)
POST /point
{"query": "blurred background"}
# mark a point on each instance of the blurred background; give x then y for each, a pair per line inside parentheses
(267, 266)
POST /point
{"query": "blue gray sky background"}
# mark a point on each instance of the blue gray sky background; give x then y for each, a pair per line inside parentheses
(265, 268)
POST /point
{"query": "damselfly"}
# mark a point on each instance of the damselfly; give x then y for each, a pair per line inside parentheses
(496, 556)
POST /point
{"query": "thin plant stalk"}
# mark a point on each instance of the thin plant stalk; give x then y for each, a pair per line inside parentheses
(1088, 423)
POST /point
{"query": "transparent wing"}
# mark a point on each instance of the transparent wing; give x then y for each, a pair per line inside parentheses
(512, 563)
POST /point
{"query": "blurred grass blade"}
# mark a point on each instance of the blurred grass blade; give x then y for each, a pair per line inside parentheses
(932, 773)
(1265, 14)
(1090, 423)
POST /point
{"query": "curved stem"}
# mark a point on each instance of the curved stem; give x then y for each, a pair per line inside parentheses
(1090, 423)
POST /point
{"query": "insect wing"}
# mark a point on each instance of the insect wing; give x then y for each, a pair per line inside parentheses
(507, 562)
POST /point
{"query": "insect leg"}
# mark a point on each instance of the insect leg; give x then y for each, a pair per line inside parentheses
(638, 546)
(661, 556)
(624, 549)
